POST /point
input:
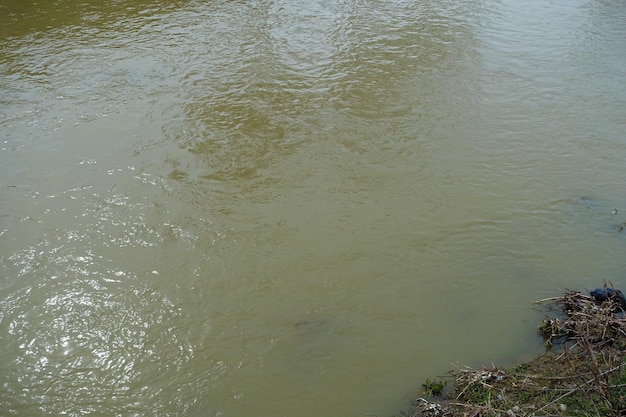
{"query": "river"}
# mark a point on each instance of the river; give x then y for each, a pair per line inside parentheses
(269, 208)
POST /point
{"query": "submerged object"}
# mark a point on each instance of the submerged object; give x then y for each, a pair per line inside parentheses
(609, 294)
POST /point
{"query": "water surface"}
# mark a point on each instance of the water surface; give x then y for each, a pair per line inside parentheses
(230, 208)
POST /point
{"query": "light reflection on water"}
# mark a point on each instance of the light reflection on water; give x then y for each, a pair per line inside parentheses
(81, 343)
(250, 207)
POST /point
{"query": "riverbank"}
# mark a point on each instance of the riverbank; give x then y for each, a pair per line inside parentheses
(582, 373)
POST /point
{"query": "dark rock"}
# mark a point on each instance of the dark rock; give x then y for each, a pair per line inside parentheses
(609, 294)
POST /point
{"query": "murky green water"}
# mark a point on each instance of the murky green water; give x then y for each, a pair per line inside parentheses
(229, 208)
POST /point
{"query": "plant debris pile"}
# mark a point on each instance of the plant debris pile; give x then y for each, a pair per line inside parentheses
(587, 321)
(582, 373)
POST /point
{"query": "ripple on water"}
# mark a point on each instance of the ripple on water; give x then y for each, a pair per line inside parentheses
(83, 346)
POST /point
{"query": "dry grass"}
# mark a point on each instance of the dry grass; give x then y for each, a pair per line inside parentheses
(582, 373)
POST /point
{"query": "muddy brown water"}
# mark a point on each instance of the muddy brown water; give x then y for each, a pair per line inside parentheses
(236, 208)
